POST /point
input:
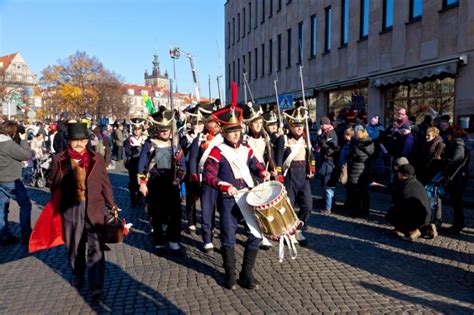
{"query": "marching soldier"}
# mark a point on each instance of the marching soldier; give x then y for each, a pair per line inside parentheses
(296, 166)
(133, 146)
(161, 168)
(196, 126)
(200, 150)
(259, 141)
(229, 169)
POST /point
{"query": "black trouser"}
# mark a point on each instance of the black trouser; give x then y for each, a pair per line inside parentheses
(164, 205)
(192, 194)
(133, 186)
(456, 191)
(357, 197)
(407, 220)
(95, 259)
(119, 153)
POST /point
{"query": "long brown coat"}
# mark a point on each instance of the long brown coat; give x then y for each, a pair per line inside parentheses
(99, 197)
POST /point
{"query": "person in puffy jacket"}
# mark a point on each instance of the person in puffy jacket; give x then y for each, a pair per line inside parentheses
(358, 162)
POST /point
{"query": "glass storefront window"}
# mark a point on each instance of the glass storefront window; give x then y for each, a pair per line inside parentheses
(349, 104)
(434, 98)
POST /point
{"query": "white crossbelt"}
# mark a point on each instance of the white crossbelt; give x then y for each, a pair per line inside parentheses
(217, 140)
(294, 151)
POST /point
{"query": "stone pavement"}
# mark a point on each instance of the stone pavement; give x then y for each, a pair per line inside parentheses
(350, 266)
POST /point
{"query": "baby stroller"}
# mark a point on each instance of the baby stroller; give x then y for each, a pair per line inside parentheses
(41, 172)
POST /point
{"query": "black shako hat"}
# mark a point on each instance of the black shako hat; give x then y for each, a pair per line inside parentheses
(162, 120)
(77, 131)
(252, 112)
(229, 118)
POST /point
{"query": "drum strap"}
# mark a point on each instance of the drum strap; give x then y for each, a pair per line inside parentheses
(238, 162)
(214, 142)
(294, 151)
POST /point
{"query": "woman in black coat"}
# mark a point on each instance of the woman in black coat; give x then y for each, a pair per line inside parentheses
(358, 161)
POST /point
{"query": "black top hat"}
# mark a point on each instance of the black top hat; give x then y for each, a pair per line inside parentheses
(229, 118)
(77, 131)
(162, 120)
(252, 112)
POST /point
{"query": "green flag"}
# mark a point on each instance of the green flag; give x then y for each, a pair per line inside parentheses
(149, 104)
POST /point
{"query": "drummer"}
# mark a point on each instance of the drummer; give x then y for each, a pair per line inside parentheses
(293, 169)
(228, 178)
(258, 140)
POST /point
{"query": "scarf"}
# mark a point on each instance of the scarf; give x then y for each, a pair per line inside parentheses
(83, 157)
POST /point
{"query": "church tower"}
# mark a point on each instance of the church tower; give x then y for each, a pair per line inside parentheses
(156, 79)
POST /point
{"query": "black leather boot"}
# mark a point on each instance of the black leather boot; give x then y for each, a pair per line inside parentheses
(228, 256)
(246, 278)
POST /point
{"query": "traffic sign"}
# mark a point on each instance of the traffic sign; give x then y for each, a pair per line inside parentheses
(286, 101)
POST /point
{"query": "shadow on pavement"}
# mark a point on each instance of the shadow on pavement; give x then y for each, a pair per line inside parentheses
(121, 294)
(428, 276)
(383, 236)
(435, 305)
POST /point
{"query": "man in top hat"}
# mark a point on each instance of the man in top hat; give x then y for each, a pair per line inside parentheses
(161, 168)
(200, 150)
(294, 167)
(259, 141)
(196, 126)
(132, 147)
(79, 176)
(229, 169)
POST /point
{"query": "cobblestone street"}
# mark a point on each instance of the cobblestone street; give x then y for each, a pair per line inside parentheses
(350, 265)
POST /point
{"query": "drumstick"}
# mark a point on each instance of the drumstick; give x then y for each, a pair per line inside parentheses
(266, 170)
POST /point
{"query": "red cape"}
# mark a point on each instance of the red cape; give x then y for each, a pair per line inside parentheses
(48, 230)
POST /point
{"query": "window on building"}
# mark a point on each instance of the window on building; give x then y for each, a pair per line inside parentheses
(243, 23)
(364, 19)
(288, 46)
(350, 103)
(263, 11)
(279, 52)
(263, 60)
(270, 56)
(327, 31)
(416, 8)
(238, 72)
(450, 3)
(256, 63)
(344, 22)
(249, 77)
(313, 36)
(256, 15)
(271, 9)
(279, 6)
(250, 17)
(228, 35)
(238, 26)
(387, 14)
(439, 94)
(144, 92)
(233, 31)
(300, 42)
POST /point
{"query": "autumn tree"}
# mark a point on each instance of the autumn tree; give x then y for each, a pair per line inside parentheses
(82, 84)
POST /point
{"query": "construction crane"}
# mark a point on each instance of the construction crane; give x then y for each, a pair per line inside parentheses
(175, 53)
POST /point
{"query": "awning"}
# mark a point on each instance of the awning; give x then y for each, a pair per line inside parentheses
(423, 73)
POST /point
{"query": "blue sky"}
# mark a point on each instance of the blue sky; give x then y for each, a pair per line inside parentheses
(123, 34)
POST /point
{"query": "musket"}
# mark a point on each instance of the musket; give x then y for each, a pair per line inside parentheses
(280, 120)
(245, 89)
(271, 163)
(174, 135)
(308, 140)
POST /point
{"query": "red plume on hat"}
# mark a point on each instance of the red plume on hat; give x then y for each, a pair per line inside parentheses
(233, 102)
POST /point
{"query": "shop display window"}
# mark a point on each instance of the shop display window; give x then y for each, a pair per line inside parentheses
(349, 104)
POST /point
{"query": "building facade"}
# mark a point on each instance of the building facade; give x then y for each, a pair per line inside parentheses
(356, 57)
(18, 86)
